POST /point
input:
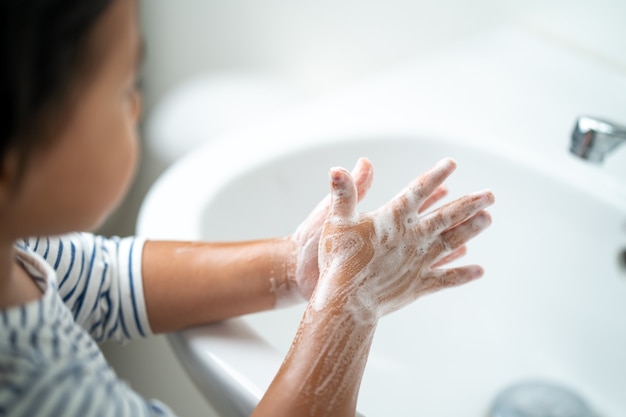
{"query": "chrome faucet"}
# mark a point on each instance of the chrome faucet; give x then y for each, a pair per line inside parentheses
(593, 138)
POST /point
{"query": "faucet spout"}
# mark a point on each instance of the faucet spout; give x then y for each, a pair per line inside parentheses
(592, 138)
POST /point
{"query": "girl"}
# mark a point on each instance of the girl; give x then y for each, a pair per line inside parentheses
(68, 150)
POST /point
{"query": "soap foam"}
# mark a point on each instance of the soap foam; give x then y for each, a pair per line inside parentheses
(370, 265)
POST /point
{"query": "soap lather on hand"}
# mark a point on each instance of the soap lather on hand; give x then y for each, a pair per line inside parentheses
(370, 264)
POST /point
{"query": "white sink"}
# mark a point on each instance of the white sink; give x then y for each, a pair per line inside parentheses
(551, 306)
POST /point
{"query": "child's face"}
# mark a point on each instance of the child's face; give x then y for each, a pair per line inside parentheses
(76, 183)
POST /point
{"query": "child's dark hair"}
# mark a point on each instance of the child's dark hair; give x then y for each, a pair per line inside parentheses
(42, 45)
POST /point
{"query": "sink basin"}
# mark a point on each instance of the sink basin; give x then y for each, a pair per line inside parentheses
(551, 306)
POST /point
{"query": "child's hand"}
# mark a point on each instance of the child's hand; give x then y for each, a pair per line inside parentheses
(378, 262)
(308, 234)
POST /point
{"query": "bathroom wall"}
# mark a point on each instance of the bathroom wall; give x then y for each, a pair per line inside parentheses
(311, 49)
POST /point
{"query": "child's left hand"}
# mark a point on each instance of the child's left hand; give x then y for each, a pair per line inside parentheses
(307, 235)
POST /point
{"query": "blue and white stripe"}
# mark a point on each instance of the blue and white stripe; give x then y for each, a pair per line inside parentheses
(51, 366)
(99, 279)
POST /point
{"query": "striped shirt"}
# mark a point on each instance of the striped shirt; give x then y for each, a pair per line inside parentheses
(50, 363)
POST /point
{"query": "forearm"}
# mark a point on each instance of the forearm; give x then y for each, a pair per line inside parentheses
(187, 283)
(322, 372)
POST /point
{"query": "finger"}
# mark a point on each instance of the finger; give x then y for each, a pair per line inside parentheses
(418, 191)
(456, 254)
(437, 195)
(457, 211)
(453, 277)
(363, 174)
(461, 234)
(343, 194)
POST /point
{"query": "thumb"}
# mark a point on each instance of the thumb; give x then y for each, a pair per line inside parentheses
(363, 174)
(343, 194)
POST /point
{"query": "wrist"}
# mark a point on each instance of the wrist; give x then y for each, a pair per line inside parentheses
(343, 300)
(321, 373)
(283, 282)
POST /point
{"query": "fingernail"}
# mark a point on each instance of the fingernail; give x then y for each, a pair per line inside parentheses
(484, 219)
(487, 194)
(447, 162)
(337, 176)
(477, 272)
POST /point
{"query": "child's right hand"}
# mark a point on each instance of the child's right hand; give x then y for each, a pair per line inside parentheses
(377, 262)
